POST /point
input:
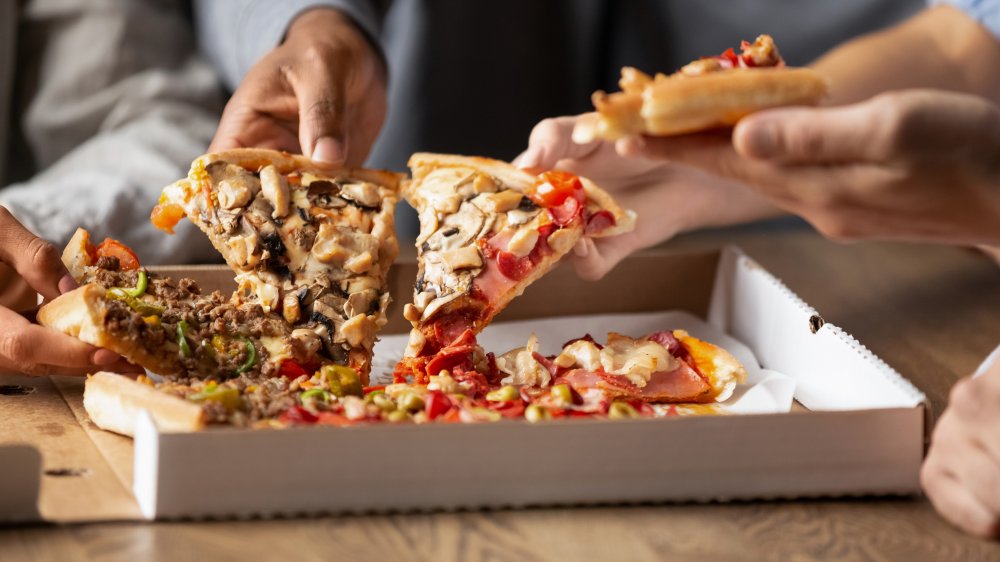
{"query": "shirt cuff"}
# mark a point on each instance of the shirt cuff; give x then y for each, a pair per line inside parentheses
(263, 23)
(986, 12)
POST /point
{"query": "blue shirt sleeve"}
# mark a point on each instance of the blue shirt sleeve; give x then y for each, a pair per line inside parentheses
(986, 12)
(235, 34)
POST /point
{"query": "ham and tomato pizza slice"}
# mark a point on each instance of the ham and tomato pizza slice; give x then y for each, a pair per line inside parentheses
(487, 231)
(311, 243)
(711, 92)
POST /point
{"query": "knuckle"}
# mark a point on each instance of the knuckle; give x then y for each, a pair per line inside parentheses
(42, 253)
(5, 215)
(965, 399)
(14, 347)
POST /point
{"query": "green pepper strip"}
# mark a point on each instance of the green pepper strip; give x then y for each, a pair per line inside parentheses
(140, 285)
(140, 306)
(251, 356)
(182, 327)
(316, 393)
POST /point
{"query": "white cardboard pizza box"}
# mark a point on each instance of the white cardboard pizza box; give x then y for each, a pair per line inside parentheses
(861, 430)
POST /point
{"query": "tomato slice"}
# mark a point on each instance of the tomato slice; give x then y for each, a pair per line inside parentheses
(166, 216)
(553, 187)
(729, 57)
(127, 259)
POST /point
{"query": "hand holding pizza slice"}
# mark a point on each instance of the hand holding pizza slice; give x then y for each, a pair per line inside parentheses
(707, 93)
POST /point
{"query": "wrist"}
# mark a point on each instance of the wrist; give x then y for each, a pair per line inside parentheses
(324, 24)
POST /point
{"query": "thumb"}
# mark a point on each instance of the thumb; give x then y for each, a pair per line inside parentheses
(593, 259)
(806, 135)
(322, 118)
(551, 141)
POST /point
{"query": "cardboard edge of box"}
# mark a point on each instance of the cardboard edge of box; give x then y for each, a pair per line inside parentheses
(892, 468)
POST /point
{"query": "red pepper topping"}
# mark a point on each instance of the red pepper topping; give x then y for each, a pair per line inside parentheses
(291, 369)
(298, 415)
(436, 404)
(553, 187)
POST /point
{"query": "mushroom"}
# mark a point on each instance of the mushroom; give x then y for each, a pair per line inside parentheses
(275, 189)
(337, 244)
(499, 202)
(360, 302)
(467, 257)
(457, 230)
(362, 193)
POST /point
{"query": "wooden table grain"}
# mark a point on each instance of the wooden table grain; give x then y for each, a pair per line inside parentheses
(933, 313)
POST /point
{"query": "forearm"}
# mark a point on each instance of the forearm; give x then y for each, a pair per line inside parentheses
(940, 48)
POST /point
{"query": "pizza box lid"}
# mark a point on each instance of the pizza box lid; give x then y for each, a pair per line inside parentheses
(860, 429)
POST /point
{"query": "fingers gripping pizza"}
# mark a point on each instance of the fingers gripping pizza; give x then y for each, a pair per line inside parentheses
(487, 231)
(711, 92)
(169, 327)
(311, 243)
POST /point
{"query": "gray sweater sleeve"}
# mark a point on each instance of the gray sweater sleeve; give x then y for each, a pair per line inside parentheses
(235, 34)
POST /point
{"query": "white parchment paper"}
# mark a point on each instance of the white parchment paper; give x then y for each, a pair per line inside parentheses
(764, 392)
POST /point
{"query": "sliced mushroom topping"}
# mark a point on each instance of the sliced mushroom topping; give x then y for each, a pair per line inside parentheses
(305, 344)
(360, 302)
(329, 306)
(243, 250)
(229, 221)
(422, 299)
(362, 193)
(563, 239)
(484, 184)
(438, 303)
(275, 190)
(290, 308)
(439, 188)
(523, 242)
(357, 330)
(460, 258)
(517, 217)
(458, 230)
(337, 244)
(499, 202)
(233, 194)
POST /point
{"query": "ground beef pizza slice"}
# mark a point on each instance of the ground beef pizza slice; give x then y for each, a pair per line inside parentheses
(487, 231)
(710, 92)
(311, 243)
(168, 326)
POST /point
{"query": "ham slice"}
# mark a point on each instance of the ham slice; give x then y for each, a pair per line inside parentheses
(682, 384)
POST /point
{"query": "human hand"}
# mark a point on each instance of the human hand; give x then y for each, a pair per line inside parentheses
(915, 164)
(322, 92)
(961, 474)
(669, 198)
(26, 347)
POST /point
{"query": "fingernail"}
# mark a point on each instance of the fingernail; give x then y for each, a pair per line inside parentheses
(67, 284)
(104, 357)
(329, 149)
(761, 139)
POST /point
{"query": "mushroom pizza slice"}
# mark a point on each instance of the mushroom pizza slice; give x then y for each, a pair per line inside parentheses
(309, 242)
(487, 231)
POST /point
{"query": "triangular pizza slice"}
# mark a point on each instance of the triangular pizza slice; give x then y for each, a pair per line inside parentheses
(487, 231)
(311, 243)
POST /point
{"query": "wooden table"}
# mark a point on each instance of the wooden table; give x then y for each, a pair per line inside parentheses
(931, 312)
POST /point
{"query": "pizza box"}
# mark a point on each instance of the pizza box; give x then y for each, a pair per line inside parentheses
(858, 427)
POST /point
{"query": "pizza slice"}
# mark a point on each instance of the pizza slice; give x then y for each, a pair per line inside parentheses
(311, 243)
(487, 231)
(708, 93)
(169, 327)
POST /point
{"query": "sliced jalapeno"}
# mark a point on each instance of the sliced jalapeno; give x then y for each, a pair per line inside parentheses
(182, 341)
(315, 393)
(251, 356)
(140, 285)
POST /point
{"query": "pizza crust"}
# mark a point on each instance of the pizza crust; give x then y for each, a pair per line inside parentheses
(81, 313)
(681, 104)
(114, 401)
